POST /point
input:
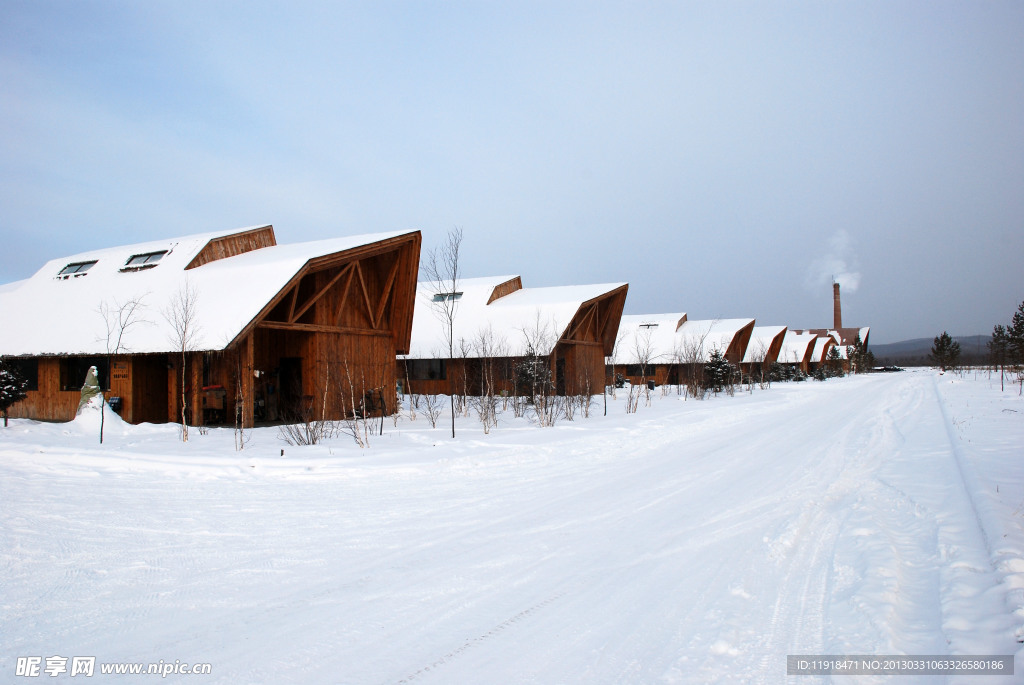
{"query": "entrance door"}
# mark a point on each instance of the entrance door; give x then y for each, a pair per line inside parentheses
(291, 405)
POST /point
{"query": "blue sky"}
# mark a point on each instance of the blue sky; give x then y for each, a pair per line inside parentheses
(726, 158)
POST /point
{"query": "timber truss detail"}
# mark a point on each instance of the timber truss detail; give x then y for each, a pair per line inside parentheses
(348, 286)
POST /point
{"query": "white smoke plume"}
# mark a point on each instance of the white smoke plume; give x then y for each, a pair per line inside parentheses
(839, 265)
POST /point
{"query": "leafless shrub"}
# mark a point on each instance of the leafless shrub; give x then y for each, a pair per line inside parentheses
(488, 349)
(432, 407)
(690, 354)
(305, 425)
(585, 398)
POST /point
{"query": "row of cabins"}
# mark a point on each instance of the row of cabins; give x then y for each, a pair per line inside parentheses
(663, 349)
(223, 326)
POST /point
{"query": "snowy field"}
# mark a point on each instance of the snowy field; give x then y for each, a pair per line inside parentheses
(692, 542)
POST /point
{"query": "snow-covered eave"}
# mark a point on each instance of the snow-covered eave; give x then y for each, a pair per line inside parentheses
(766, 339)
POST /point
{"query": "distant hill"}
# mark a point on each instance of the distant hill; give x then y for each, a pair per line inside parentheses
(915, 352)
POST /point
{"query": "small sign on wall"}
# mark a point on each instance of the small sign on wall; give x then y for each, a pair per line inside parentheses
(120, 371)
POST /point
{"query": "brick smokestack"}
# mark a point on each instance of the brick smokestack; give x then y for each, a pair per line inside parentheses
(837, 312)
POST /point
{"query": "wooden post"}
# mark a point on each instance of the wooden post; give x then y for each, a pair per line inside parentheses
(173, 394)
(248, 400)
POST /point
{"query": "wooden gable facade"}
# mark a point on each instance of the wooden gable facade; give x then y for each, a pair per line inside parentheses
(578, 358)
(326, 345)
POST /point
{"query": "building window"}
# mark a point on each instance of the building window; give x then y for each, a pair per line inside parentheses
(447, 297)
(638, 369)
(143, 261)
(74, 369)
(76, 269)
(27, 368)
(426, 369)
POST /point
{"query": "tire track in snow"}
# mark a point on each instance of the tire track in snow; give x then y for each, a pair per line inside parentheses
(805, 552)
(492, 633)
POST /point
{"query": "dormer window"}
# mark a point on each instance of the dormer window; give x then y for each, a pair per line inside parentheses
(76, 269)
(143, 261)
(447, 297)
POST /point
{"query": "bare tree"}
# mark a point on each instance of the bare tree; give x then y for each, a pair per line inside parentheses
(441, 269)
(488, 349)
(643, 354)
(357, 424)
(118, 319)
(241, 437)
(616, 349)
(691, 355)
(758, 368)
(181, 313)
(460, 393)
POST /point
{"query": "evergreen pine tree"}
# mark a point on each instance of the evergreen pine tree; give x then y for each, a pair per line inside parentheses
(998, 350)
(834, 363)
(858, 356)
(12, 387)
(1015, 336)
(945, 351)
(717, 371)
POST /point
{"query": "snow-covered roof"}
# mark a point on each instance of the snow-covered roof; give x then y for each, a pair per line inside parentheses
(652, 337)
(820, 344)
(50, 313)
(540, 314)
(846, 337)
(691, 341)
(794, 347)
(709, 335)
(760, 343)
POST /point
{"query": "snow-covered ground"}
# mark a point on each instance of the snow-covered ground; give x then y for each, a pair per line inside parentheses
(692, 542)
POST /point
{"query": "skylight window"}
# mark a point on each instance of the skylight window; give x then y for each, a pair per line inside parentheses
(146, 260)
(76, 268)
(447, 297)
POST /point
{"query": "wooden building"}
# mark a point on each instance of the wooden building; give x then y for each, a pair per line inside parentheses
(763, 349)
(823, 344)
(660, 348)
(274, 332)
(797, 349)
(499, 325)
